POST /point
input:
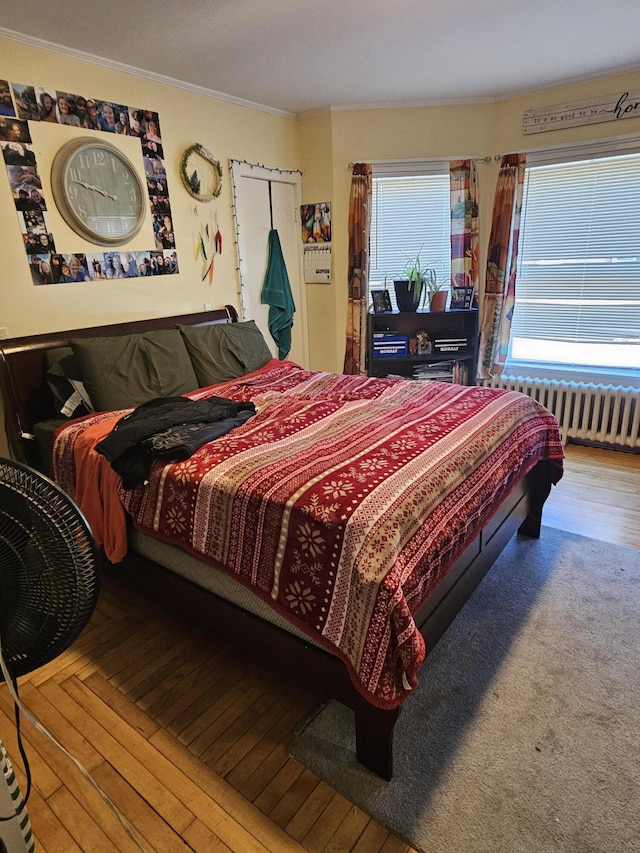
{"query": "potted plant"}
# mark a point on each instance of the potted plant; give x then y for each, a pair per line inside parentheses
(438, 299)
(418, 279)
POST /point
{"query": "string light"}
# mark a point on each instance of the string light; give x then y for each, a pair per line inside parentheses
(236, 234)
(234, 210)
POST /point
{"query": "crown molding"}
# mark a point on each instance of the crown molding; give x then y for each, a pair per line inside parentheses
(511, 95)
(82, 56)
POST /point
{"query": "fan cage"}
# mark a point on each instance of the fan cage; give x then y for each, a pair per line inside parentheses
(49, 561)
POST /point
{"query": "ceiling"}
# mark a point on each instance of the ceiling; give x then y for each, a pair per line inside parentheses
(301, 55)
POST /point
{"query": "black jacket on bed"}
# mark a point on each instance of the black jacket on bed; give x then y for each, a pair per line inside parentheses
(172, 428)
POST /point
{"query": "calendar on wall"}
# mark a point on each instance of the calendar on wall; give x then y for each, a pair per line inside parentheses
(317, 264)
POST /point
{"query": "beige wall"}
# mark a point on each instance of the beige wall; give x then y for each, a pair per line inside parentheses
(227, 130)
(316, 145)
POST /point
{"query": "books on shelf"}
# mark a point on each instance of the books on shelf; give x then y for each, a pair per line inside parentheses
(440, 371)
(443, 371)
(461, 372)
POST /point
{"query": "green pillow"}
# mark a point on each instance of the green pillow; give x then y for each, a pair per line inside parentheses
(125, 371)
(223, 351)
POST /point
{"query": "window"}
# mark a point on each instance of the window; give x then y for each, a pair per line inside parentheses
(410, 215)
(578, 288)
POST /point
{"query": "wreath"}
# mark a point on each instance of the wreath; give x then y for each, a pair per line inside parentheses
(202, 185)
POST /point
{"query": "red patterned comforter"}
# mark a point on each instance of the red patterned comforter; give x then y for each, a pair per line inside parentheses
(342, 502)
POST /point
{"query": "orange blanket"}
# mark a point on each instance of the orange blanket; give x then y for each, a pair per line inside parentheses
(96, 491)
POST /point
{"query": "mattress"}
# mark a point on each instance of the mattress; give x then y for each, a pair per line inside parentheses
(176, 560)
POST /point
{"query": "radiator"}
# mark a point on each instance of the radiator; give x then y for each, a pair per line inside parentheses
(604, 414)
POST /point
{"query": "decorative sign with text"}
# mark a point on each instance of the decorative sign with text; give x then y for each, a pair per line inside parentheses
(591, 111)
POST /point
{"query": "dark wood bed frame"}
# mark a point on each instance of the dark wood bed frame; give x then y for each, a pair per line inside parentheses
(28, 400)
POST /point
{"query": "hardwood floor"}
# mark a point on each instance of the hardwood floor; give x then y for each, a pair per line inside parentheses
(598, 496)
(189, 739)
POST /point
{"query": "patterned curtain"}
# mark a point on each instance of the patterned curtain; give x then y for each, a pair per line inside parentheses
(464, 224)
(359, 228)
(502, 260)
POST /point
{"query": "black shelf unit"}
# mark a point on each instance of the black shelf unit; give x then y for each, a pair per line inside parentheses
(456, 324)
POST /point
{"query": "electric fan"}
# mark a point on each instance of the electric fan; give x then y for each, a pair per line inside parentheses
(48, 590)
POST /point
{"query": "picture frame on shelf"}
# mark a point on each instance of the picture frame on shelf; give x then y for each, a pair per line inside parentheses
(381, 300)
(461, 297)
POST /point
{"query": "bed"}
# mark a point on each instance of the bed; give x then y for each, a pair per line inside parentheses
(336, 532)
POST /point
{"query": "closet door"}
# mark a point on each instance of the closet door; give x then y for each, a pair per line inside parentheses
(266, 198)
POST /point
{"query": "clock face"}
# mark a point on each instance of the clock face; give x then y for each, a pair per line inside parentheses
(98, 191)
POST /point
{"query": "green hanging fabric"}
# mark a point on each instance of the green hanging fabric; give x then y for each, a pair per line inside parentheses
(276, 293)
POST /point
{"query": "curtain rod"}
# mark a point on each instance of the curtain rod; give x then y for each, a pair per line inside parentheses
(487, 159)
(603, 141)
(566, 146)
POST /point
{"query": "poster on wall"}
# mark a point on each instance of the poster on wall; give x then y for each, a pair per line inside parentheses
(50, 263)
(316, 222)
(316, 237)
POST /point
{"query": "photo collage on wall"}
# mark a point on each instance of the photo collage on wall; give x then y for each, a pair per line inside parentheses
(21, 104)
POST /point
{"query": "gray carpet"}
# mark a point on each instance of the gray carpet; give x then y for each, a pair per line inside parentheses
(524, 734)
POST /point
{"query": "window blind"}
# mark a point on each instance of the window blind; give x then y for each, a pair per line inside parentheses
(578, 286)
(410, 215)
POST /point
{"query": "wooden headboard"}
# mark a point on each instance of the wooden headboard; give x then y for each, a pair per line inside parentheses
(26, 394)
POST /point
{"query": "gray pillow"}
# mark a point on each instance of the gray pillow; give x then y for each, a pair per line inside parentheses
(65, 382)
(223, 351)
(125, 371)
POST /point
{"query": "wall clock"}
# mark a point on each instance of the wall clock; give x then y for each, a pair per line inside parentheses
(98, 191)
